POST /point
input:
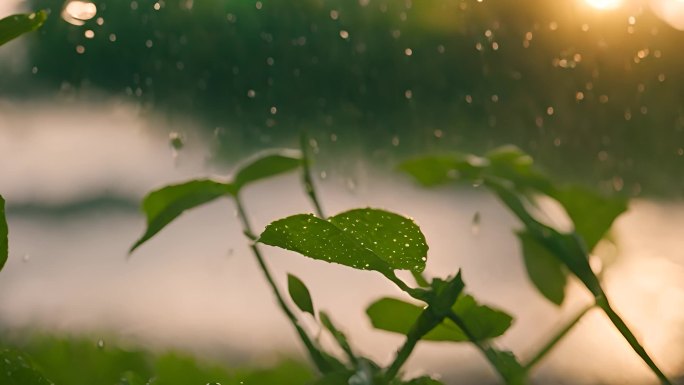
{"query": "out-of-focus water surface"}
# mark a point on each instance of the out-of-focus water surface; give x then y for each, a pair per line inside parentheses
(592, 89)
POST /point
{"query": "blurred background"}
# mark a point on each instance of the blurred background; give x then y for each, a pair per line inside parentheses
(111, 99)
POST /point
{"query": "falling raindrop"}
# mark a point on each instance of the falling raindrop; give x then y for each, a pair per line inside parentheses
(77, 12)
(100, 343)
(176, 141)
(475, 224)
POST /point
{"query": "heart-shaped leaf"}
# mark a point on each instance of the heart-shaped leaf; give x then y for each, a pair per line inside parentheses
(14, 26)
(300, 294)
(366, 239)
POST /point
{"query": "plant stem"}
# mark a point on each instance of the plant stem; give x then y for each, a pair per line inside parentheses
(306, 175)
(488, 351)
(556, 338)
(316, 356)
(603, 303)
(402, 355)
(420, 279)
(419, 294)
(426, 322)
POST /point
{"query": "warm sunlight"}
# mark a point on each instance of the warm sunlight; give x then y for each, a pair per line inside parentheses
(604, 4)
(671, 11)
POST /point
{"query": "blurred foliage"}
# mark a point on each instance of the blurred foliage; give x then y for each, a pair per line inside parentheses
(79, 361)
(557, 78)
(14, 26)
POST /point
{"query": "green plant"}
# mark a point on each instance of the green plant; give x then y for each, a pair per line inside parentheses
(16, 368)
(14, 26)
(383, 242)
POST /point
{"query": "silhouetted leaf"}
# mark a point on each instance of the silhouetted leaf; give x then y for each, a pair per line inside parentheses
(14, 26)
(397, 316)
(544, 269)
(592, 213)
(4, 242)
(17, 369)
(266, 165)
(164, 205)
(300, 294)
(367, 239)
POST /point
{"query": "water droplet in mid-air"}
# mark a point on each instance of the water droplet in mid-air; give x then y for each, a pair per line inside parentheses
(78, 12)
(475, 224)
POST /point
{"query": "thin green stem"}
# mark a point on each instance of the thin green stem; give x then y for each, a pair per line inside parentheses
(402, 356)
(603, 303)
(306, 175)
(420, 279)
(419, 294)
(471, 337)
(559, 335)
(316, 356)
(488, 351)
(426, 322)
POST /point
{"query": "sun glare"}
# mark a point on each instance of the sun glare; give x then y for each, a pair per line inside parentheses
(604, 4)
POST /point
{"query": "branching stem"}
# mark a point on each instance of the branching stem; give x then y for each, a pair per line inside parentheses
(316, 356)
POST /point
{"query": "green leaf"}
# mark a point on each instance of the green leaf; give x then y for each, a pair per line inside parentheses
(366, 239)
(300, 294)
(14, 26)
(592, 213)
(266, 165)
(514, 165)
(545, 270)
(483, 322)
(397, 316)
(4, 242)
(568, 248)
(439, 169)
(164, 205)
(17, 369)
(507, 162)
